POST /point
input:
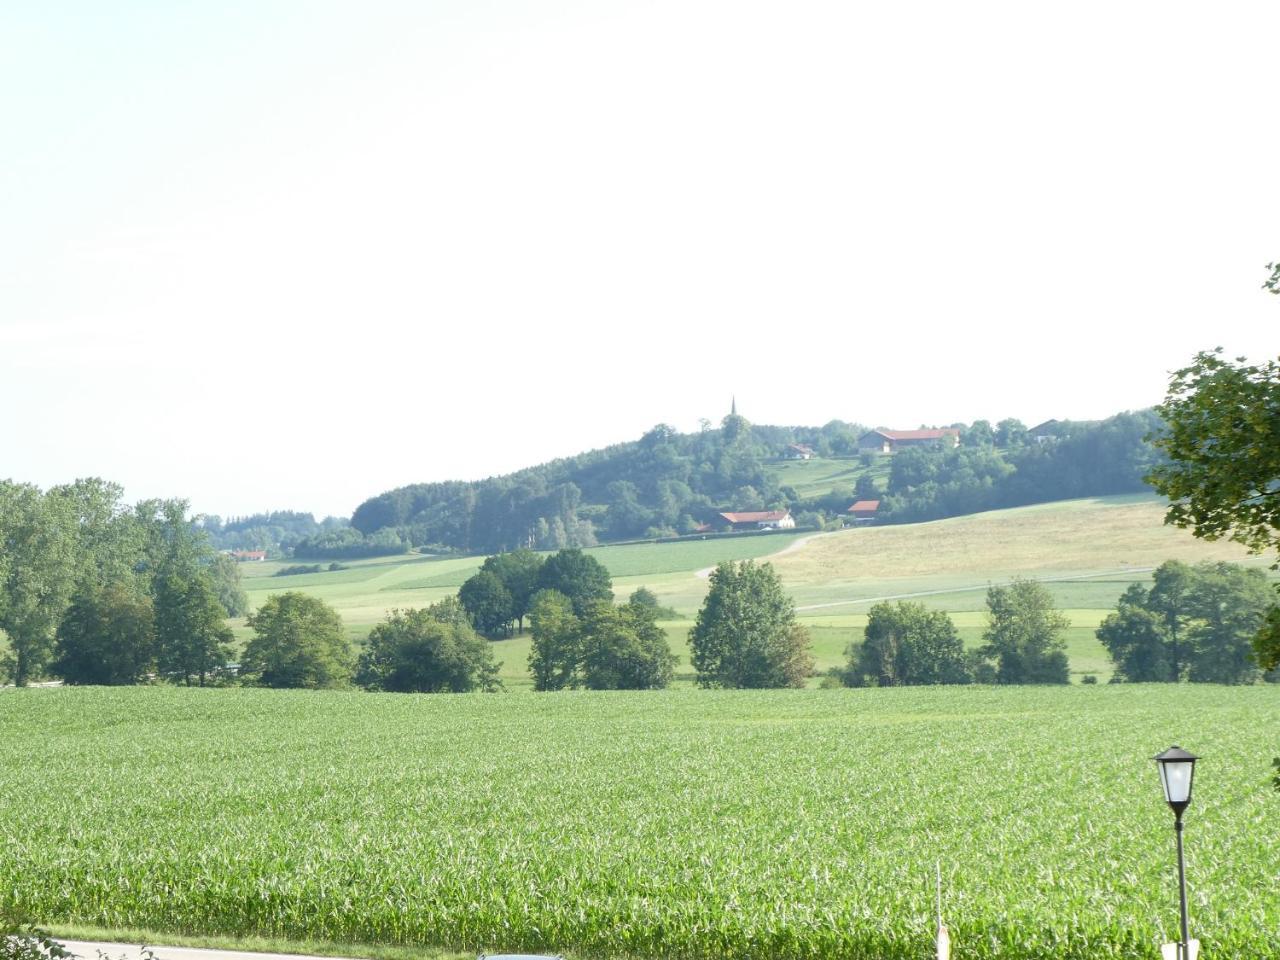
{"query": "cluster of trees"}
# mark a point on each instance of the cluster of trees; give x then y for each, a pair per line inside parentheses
(299, 641)
(746, 634)
(346, 543)
(906, 644)
(84, 575)
(598, 645)
(1195, 623)
(502, 593)
(277, 532)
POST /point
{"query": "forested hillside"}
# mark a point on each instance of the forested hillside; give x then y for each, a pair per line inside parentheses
(668, 484)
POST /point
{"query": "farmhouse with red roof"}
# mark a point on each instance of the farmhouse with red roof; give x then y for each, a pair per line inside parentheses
(244, 556)
(799, 451)
(864, 510)
(760, 520)
(890, 441)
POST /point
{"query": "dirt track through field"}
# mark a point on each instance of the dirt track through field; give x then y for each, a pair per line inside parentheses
(789, 548)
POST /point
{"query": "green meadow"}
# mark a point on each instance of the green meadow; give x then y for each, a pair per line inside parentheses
(818, 477)
(1085, 551)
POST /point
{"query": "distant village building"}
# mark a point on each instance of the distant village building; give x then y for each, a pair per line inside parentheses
(799, 451)
(1046, 432)
(760, 520)
(890, 441)
(864, 510)
(249, 556)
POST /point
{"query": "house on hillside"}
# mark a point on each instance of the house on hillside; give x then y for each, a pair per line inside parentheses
(864, 511)
(1047, 432)
(890, 441)
(799, 451)
(249, 556)
(760, 520)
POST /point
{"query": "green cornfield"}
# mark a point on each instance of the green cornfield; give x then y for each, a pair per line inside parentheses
(698, 824)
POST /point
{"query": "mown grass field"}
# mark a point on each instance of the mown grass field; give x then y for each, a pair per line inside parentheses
(818, 477)
(698, 824)
(1087, 552)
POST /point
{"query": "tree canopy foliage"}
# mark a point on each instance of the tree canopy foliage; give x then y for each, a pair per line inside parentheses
(1222, 477)
(606, 648)
(1024, 634)
(431, 650)
(906, 644)
(1194, 623)
(1222, 437)
(277, 532)
(80, 573)
(298, 641)
(746, 634)
(107, 636)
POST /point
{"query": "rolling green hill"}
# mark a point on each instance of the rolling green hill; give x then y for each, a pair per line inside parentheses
(1087, 552)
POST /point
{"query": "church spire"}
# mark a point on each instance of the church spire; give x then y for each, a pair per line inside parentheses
(733, 406)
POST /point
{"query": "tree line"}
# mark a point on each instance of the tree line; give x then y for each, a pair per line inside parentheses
(907, 644)
(1198, 624)
(83, 574)
(278, 532)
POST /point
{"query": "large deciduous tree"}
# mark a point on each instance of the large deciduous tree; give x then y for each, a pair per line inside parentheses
(1023, 634)
(906, 644)
(488, 603)
(298, 641)
(746, 634)
(1222, 437)
(1194, 623)
(38, 537)
(623, 648)
(579, 576)
(107, 636)
(555, 655)
(193, 641)
(1229, 606)
(433, 650)
(518, 570)
(1135, 640)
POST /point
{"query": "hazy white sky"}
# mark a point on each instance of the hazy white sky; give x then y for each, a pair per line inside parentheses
(289, 255)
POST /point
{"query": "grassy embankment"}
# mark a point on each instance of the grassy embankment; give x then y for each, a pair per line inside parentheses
(1087, 551)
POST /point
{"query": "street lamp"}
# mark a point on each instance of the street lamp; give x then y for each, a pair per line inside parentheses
(1177, 769)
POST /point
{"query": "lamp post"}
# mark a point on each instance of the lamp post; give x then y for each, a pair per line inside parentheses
(1177, 769)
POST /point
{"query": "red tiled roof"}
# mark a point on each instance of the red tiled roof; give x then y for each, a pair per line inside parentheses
(249, 554)
(758, 516)
(870, 506)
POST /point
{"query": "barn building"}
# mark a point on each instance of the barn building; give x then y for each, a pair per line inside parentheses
(760, 520)
(890, 441)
